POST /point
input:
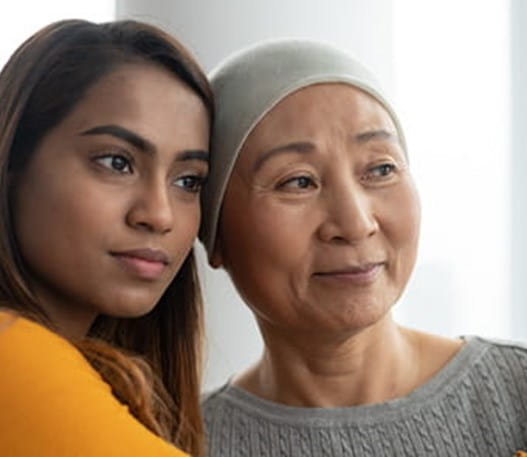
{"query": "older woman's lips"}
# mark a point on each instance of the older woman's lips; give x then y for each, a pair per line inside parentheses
(144, 263)
(359, 275)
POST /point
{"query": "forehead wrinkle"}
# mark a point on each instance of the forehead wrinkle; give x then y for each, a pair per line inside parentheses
(317, 123)
(294, 147)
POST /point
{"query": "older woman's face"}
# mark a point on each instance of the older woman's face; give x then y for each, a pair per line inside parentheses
(320, 220)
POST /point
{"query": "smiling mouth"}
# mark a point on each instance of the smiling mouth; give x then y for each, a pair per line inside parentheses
(359, 275)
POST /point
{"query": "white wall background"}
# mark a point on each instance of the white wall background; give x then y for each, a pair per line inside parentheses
(21, 18)
(451, 67)
(518, 167)
(214, 29)
(452, 75)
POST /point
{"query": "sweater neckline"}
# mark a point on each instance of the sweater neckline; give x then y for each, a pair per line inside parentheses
(445, 381)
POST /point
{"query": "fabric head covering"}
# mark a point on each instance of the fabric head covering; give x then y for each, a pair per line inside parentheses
(249, 84)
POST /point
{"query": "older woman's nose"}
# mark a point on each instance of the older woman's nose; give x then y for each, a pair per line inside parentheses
(152, 209)
(349, 216)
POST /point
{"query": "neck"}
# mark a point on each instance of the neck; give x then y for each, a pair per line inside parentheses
(73, 326)
(374, 365)
(70, 321)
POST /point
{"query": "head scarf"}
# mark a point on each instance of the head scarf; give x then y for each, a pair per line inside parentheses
(249, 84)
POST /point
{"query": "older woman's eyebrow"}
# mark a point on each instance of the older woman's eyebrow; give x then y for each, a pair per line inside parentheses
(301, 147)
(372, 135)
(123, 134)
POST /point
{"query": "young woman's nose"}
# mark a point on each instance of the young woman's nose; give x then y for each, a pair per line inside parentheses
(152, 208)
(349, 215)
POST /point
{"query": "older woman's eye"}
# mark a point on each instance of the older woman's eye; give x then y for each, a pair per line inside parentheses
(116, 162)
(298, 182)
(381, 171)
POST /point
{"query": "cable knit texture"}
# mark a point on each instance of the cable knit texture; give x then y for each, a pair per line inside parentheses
(475, 406)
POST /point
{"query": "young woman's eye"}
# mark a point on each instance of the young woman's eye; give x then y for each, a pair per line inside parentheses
(298, 182)
(116, 162)
(190, 183)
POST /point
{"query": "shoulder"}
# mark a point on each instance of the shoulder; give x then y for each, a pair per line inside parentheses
(214, 398)
(501, 363)
(37, 362)
(53, 393)
(29, 341)
(27, 348)
(501, 348)
(222, 404)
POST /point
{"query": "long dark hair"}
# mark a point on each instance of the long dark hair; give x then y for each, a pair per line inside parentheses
(152, 362)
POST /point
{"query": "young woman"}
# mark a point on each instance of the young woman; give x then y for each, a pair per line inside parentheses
(104, 132)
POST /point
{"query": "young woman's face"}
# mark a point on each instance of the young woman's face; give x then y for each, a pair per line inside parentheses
(320, 219)
(108, 207)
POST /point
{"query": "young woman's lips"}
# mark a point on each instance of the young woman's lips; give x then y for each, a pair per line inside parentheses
(358, 275)
(144, 263)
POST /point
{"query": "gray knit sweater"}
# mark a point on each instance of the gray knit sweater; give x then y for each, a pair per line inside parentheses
(475, 406)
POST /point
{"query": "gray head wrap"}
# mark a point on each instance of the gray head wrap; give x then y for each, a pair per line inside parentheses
(249, 84)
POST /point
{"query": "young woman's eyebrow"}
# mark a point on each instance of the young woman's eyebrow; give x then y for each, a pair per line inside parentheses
(141, 143)
(123, 134)
(194, 154)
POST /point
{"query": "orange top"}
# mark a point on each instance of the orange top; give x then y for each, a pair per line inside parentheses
(54, 404)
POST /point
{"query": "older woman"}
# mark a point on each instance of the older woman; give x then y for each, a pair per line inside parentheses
(312, 210)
